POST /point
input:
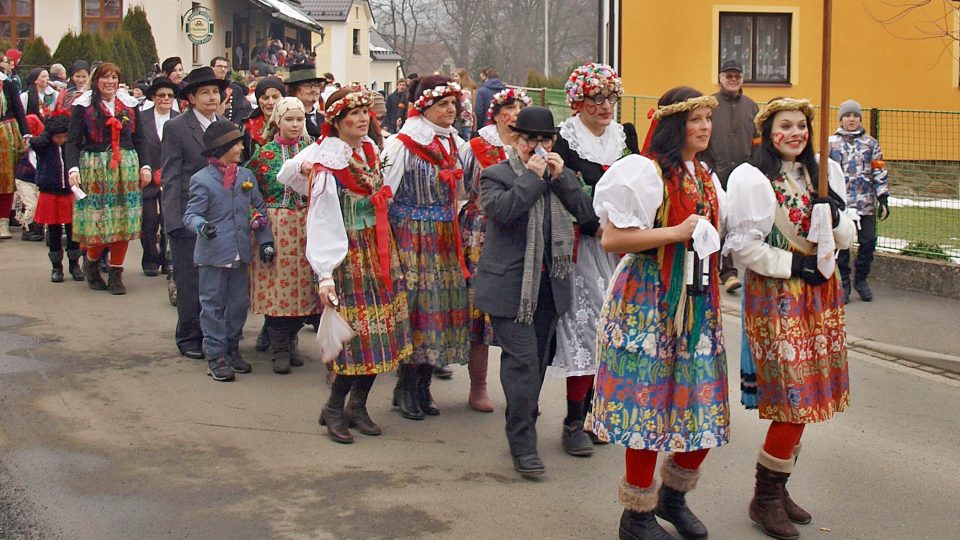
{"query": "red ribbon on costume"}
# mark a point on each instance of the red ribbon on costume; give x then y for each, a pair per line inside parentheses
(446, 160)
(115, 128)
(649, 137)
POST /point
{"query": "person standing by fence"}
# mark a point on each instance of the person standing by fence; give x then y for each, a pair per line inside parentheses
(867, 187)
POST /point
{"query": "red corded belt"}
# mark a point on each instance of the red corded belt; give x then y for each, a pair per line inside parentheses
(115, 128)
(379, 201)
(446, 161)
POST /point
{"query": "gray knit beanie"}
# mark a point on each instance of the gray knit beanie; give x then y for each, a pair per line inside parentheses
(849, 106)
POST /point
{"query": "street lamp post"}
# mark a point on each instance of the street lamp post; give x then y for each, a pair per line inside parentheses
(546, 37)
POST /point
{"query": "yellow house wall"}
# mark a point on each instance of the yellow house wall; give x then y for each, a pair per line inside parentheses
(357, 66)
(668, 43)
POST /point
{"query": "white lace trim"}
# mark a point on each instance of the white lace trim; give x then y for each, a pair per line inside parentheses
(422, 131)
(122, 95)
(334, 154)
(490, 134)
(603, 150)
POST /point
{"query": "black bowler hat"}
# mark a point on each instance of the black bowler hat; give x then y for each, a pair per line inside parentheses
(202, 76)
(221, 135)
(157, 84)
(731, 65)
(535, 121)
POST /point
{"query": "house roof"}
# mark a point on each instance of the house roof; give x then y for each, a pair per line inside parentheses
(286, 10)
(380, 49)
(328, 10)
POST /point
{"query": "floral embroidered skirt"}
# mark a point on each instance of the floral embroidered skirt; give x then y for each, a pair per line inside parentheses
(437, 291)
(111, 210)
(378, 315)
(285, 287)
(577, 330)
(797, 338)
(473, 225)
(11, 148)
(654, 390)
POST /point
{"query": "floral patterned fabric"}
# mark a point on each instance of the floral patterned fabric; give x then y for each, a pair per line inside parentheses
(111, 210)
(11, 146)
(265, 164)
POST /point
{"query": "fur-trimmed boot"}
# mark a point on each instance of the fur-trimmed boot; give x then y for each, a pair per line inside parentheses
(794, 512)
(638, 522)
(767, 507)
(672, 506)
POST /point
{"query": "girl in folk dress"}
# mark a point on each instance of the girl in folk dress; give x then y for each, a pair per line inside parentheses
(794, 361)
(102, 157)
(488, 148)
(590, 142)
(283, 289)
(352, 250)
(662, 376)
(13, 128)
(423, 169)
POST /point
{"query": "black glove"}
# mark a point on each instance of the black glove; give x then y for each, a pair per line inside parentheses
(207, 230)
(805, 266)
(834, 208)
(267, 252)
(884, 212)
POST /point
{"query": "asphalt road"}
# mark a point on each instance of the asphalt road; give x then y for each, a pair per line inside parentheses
(106, 433)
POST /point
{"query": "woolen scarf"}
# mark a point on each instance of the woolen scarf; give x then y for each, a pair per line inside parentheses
(561, 245)
(229, 171)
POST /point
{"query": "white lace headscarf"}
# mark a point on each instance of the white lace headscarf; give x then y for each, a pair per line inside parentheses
(283, 107)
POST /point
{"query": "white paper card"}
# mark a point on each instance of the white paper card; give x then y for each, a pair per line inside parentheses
(78, 193)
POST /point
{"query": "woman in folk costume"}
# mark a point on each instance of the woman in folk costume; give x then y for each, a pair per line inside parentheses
(102, 157)
(590, 142)
(422, 167)
(40, 97)
(488, 148)
(662, 377)
(351, 248)
(283, 290)
(13, 129)
(794, 358)
(268, 92)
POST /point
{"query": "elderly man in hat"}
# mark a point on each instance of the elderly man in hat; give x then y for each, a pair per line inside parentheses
(181, 153)
(222, 196)
(523, 278)
(304, 83)
(732, 141)
(156, 112)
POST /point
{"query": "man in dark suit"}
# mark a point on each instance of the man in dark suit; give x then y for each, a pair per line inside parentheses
(304, 83)
(523, 277)
(160, 97)
(182, 157)
(235, 107)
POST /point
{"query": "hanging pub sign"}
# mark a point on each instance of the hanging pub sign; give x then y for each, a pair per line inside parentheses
(198, 24)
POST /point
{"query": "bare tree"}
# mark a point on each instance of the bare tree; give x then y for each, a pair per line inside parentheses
(920, 20)
(460, 26)
(401, 24)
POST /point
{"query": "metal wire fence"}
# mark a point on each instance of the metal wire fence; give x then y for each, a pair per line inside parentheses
(922, 154)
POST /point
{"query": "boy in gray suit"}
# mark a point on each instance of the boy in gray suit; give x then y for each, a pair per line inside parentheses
(221, 197)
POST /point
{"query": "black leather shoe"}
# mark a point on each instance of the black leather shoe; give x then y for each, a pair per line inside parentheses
(445, 372)
(529, 466)
(190, 351)
(151, 271)
(863, 289)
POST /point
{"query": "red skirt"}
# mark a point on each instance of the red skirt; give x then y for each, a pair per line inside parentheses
(54, 209)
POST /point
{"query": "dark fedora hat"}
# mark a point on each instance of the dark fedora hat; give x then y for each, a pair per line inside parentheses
(303, 73)
(157, 84)
(535, 121)
(221, 135)
(202, 76)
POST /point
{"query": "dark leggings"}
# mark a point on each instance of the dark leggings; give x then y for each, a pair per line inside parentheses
(55, 234)
(344, 383)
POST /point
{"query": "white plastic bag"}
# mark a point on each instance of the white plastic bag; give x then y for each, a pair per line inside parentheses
(332, 334)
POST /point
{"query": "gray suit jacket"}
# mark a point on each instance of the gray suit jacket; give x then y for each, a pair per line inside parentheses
(507, 199)
(182, 157)
(151, 147)
(229, 212)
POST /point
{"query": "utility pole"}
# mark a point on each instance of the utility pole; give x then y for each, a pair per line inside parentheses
(546, 37)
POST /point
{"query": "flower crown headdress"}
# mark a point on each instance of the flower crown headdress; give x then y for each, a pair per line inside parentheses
(433, 95)
(782, 104)
(686, 106)
(359, 98)
(505, 97)
(589, 79)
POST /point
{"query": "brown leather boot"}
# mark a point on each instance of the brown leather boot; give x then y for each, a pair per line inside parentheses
(794, 512)
(638, 522)
(333, 417)
(479, 400)
(767, 508)
(357, 413)
(115, 280)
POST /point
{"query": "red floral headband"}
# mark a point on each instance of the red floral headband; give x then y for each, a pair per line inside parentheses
(433, 95)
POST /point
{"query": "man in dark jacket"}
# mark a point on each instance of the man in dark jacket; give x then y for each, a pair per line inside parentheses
(485, 94)
(235, 107)
(396, 107)
(160, 97)
(182, 156)
(523, 278)
(732, 141)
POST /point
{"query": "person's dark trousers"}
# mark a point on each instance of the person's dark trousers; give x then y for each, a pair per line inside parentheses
(726, 268)
(186, 277)
(151, 235)
(224, 301)
(866, 245)
(523, 363)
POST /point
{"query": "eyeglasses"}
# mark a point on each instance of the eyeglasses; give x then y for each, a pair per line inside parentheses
(533, 140)
(734, 75)
(600, 97)
(163, 96)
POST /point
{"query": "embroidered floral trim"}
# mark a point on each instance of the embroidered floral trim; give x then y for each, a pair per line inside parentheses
(798, 206)
(433, 95)
(490, 134)
(360, 98)
(506, 97)
(590, 79)
(335, 154)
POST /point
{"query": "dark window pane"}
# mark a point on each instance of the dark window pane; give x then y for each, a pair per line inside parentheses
(93, 27)
(24, 8)
(111, 8)
(24, 29)
(773, 45)
(736, 40)
(91, 8)
(5, 6)
(5, 29)
(111, 26)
